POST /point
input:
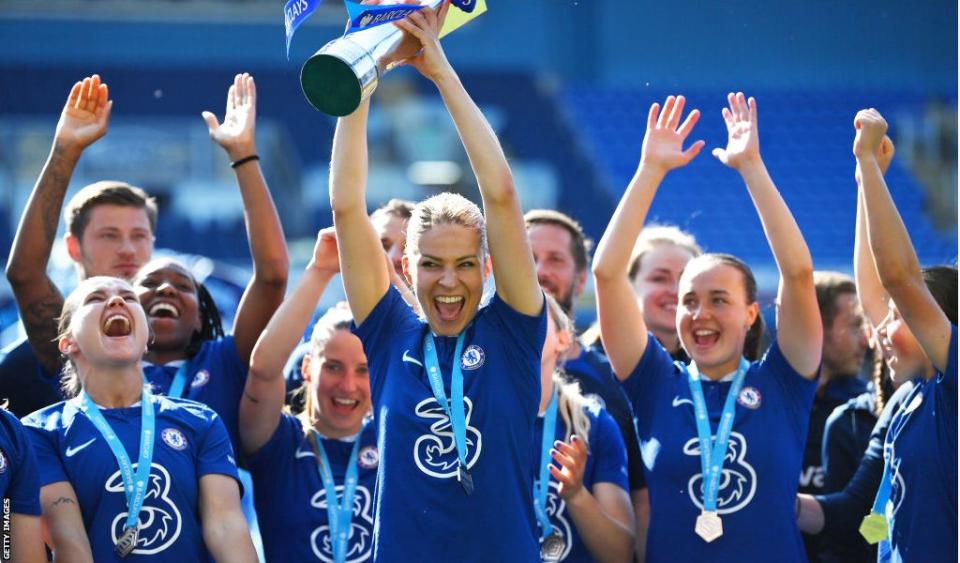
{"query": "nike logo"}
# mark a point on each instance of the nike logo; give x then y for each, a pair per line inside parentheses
(72, 451)
(677, 401)
(408, 358)
(300, 453)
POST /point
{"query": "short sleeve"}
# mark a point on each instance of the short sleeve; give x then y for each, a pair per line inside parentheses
(279, 447)
(44, 443)
(526, 331)
(608, 451)
(654, 368)
(797, 391)
(24, 488)
(214, 453)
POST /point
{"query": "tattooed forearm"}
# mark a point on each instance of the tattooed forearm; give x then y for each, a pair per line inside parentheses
(39, 312)
(62, 500)
(250, 397)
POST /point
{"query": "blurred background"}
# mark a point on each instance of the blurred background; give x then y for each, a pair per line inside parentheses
(566, 83)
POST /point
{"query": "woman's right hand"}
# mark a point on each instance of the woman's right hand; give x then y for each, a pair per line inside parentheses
(663, 141)
(326, 258)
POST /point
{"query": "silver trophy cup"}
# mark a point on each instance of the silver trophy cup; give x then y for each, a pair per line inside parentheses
(345, 71)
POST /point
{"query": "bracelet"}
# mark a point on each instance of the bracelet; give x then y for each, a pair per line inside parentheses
(244, 160)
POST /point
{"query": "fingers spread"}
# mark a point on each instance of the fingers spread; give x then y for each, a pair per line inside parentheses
(665, 114)
(211, 120)
(688, 124)
(676, 112)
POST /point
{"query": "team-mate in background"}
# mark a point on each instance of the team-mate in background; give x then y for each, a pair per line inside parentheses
(584, 510)
(455, 481)
(561, 252)
(764, 404)
(95, 450)
(110, 229)
(299, 463)
(844, 346)
(920, 449)
(189, 356)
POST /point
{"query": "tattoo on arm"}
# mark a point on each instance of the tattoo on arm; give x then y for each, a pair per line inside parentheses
(250, 397)
(40, 321)
(62, 500)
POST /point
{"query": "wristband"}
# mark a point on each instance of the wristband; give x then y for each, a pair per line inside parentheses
(244, 160)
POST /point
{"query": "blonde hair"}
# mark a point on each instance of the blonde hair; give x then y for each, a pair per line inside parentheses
(335, 319)
(653, 236)
(445, 209)
(571, 403)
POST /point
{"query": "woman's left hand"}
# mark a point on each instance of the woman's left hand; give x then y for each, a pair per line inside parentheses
(572, 458)
(236, 133)
(743, 140)
(425, 25)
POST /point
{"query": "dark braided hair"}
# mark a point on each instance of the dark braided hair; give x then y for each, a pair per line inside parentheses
(211, 326)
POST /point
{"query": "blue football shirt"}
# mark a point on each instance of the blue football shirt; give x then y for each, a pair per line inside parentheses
(18, 467)
(606, 463)
(921, 452)
(758, 487)
(422, 513)
(291, 500)
(190, 442)
(216, 377)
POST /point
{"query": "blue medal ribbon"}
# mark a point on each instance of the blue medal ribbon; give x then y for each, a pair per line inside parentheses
(874, 527)
(455, 408)
(364, 16)
(542, 486)
(295, 12)
(134, 484)
(711, 455)
(339, 514)
(179, 380)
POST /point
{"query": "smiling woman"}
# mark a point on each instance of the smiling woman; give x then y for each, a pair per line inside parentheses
(458, 468)
(91, 507)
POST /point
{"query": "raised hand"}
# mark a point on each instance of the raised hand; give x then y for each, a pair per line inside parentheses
(326, 258)
(85, 116)
(572, 458)
(237, 132)
(663, 141)
(885, 153)
(743, 140)
(871, 131)
(425, 25)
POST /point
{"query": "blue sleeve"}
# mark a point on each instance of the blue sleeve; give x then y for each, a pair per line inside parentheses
(838, 452)
(46, 448)
(278, 448)
(24, 488)
(390, 316)
(214, 453)
(654, 368)
(843, 511)
(526, 331)
(230, 359)
(608, 451)
(950, 373)
(796, 391)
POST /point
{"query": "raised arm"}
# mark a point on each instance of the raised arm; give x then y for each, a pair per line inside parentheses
(225, 530)
(622, 327)
(264, 233)
(873, 298)
(893, 253)
(263, 395)
(799, 330)
(63, 523)
(83, 121)
(513, 265)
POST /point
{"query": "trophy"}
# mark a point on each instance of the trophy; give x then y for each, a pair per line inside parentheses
(345, 71)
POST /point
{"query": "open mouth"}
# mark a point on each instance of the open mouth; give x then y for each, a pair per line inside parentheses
(343, 406)
(117, 326)
(705, 338)
(448, 306)
(164, 311)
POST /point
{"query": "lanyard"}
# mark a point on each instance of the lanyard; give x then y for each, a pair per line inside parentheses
(711, 458)
(179, 380)
(454, 409)
(134, 484)
(339, 515)
(542, 486)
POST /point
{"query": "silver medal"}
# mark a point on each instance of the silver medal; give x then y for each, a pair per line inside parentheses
(552, 547)
(127, 541)
(709, 526)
